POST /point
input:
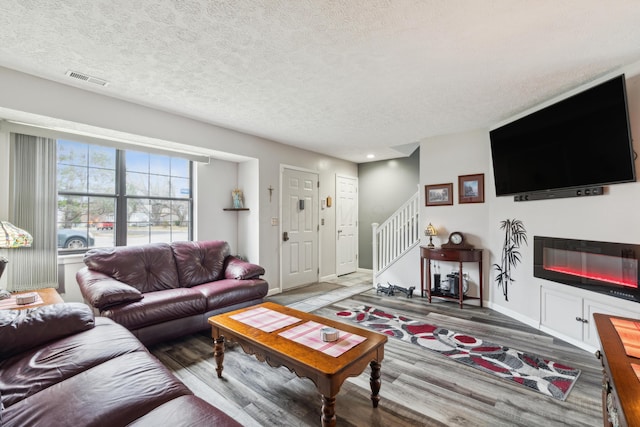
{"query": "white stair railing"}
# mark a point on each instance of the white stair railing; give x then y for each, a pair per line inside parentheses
(399, 233)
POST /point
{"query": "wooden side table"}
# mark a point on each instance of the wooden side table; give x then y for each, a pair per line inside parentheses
(48, 295)
(455, 255)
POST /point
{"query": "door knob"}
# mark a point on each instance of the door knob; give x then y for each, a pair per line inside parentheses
(285, 236)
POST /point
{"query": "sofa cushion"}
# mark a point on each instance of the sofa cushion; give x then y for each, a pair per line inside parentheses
(21, 330)
(186, 411)
(147, 268)
(200, 262)
(27, 373)
(157, 307)
(239, 269)
(102, 291)
(171, 329)
(228, 292)
(115, 393)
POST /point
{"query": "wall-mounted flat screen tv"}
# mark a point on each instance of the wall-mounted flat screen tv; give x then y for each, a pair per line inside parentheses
(583, 140)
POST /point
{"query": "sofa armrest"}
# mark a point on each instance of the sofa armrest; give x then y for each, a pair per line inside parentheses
(239, 269)
(21, 330)
(102, 291)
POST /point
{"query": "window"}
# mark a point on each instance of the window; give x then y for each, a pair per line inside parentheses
(108, 196)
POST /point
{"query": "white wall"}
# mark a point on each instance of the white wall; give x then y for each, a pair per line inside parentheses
(442, 160)
(249, 221)
(612, 217)
(404, 272)
(25, 93)
(213, 185)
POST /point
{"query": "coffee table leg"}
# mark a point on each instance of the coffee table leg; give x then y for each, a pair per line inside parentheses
(375, 382)
(328, 411)
(218, 354)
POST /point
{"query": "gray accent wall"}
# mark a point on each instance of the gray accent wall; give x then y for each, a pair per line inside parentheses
(383, 187)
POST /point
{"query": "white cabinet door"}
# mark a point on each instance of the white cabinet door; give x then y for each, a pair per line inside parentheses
(590, 307)
(572, 315)
(559, 312)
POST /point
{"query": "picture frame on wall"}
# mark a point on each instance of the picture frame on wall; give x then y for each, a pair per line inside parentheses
(471, 188)
(237, 198)
(438, 194)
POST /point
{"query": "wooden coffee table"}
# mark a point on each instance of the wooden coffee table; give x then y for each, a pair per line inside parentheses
(327, 372)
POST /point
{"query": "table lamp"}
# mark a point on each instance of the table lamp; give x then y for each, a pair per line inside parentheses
(430, 231)
(12, 237)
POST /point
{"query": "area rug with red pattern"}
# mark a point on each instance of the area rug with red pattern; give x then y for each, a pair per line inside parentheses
(545, 376)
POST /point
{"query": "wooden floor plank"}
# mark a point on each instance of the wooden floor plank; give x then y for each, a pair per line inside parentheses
(419, 387)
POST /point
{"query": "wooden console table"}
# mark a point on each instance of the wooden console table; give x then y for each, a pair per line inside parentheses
(620, 385)
(455, 255)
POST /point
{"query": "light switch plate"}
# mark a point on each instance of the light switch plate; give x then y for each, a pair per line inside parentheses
(274, 221)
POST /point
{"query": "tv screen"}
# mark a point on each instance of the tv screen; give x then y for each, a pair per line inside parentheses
(583, 140)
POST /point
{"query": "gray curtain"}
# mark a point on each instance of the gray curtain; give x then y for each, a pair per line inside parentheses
(33, 208)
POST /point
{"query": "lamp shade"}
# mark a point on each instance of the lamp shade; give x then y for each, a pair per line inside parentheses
(430, 230)
(13, 237)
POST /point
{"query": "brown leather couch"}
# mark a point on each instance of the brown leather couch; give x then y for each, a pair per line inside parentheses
(162, 291)
(60, 366)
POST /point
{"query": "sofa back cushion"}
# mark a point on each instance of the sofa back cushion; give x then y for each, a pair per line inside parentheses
(147, 268)
(21, 330)
(200, 262)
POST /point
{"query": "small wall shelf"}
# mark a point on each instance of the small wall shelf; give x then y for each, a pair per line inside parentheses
(235, 209)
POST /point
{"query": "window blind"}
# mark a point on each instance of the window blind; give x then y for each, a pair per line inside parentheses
(33, 208)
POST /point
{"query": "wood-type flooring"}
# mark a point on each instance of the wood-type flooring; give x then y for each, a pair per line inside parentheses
(419, 387)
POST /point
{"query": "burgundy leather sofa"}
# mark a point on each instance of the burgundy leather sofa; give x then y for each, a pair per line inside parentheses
(162, 291)
(60, 366)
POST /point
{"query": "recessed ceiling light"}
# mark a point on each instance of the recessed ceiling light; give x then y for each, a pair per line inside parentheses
(370, 156)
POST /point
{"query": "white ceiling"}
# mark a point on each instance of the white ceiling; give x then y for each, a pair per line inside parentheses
(345, 78)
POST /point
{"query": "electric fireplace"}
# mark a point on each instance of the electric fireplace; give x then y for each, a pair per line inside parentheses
(604, 267)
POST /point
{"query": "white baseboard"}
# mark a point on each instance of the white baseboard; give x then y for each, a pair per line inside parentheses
(513, 314)
(335, 276)
(568, 339)
(274, 291)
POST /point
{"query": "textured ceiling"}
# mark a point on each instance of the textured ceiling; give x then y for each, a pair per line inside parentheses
(343, 78)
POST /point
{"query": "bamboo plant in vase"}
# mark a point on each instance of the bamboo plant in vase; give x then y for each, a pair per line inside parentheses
(514, 235)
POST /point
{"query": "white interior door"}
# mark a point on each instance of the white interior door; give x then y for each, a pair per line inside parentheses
(346, 224)
(299, 228)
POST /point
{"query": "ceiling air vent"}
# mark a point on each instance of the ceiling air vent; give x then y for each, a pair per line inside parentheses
(87, 78)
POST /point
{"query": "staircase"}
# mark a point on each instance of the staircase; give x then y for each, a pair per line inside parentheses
(396, 236)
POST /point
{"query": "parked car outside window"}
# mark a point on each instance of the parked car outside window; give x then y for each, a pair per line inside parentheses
(157, 200)
(69, 238)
